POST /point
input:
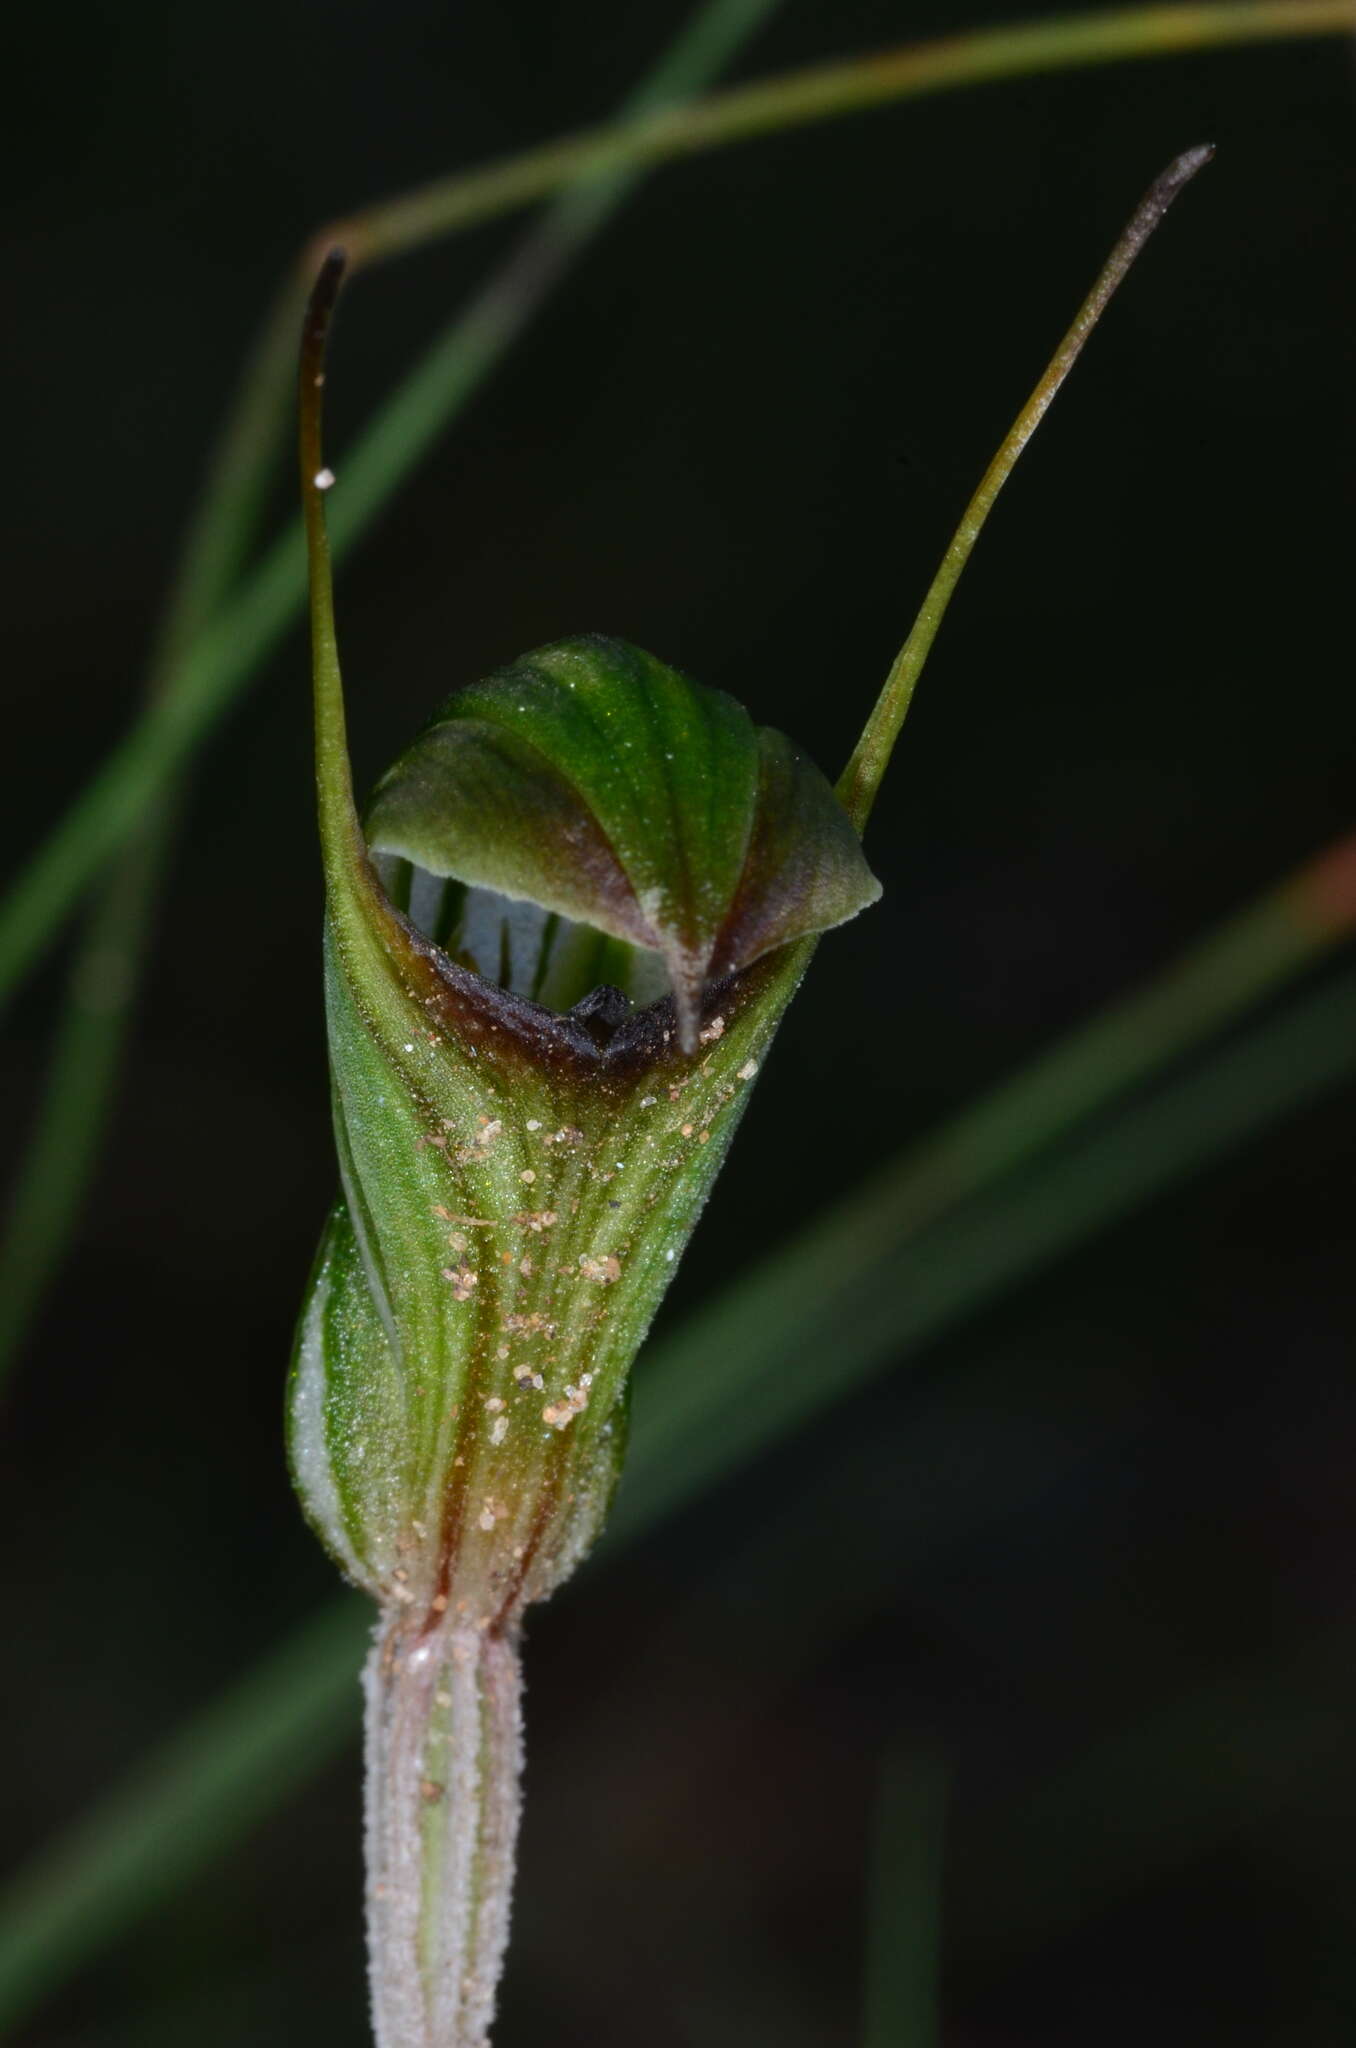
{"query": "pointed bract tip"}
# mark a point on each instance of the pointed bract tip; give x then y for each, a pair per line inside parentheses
(1184, 167)
(324, 292)
(1165, 189)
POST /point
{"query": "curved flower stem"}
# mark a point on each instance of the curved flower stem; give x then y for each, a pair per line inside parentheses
(824, 92)
(443, 1767)
(856, 1272)
(223, 658)
(62, 1153)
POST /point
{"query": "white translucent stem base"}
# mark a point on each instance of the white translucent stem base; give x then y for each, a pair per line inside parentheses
(444, 1760)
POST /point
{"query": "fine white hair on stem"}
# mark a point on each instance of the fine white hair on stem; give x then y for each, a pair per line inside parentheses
(443, 1771)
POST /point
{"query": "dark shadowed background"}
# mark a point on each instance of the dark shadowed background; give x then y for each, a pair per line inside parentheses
(1097, 1548)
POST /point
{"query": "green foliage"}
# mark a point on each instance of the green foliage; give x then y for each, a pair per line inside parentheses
(265, 1737)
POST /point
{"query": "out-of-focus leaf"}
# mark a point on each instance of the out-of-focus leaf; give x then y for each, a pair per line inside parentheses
(175, 1815)
(224, 659)
(904, 1907)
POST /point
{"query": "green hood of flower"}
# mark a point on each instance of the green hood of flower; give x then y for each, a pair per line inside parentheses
(519, 1180)
(595, 783)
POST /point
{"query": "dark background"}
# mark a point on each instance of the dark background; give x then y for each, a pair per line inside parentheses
(1097, 1547)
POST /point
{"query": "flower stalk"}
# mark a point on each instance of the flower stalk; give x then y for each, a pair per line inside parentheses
(444, 1745)
(518, 1181)
(557, 947)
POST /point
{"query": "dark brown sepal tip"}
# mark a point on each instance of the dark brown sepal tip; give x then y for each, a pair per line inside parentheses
(596, 1040)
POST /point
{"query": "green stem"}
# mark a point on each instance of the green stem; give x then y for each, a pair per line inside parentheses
(343, 849)
(937, 1252)
(222, 659)
(99, 1002)
(443, 1767)
(860, 781)
(58, 1166)
(826, 1284)
(62, 1154)
(236, 487)
(825, 92)
(228, 1766)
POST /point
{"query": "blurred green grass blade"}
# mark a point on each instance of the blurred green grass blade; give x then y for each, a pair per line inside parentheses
(209, 1785)
(256, 1744)
(204, 1788)
(818, 1324)
(897, 1259)
(73, 1112)
(225, 653)
(905, 1905)
(827, 91)
(63, 1150)
(221, 661)
(99, 1000)
(1149, 1797)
